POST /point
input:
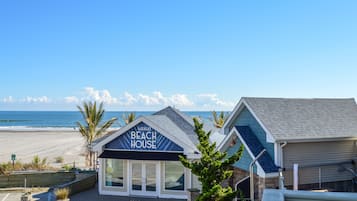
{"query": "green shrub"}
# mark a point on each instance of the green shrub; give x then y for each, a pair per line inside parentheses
(59, 159)
(36, 164)
(39, 164)
(67, 167)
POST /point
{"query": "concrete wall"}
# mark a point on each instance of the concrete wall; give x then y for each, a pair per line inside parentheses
(83, 182)
(36, 179)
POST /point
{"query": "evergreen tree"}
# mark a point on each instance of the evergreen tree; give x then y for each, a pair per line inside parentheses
(212, 168)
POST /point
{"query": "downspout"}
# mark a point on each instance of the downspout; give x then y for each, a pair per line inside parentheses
(251, 174)
(281, 177)
(283, 145)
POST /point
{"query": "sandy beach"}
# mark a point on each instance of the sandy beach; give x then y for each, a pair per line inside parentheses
(45, 143)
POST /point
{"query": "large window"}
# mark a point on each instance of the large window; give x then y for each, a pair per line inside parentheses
(174, 176)
(114, 172)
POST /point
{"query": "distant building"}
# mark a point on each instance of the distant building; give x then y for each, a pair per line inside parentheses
(141, 158)
(320, 135)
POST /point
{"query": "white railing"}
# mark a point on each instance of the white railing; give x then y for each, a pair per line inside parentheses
(290, 195)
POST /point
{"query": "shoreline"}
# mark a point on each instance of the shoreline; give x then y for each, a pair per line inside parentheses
(43, 129)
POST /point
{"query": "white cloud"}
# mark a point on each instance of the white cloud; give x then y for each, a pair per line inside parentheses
(148, 100)
(181, 100)
(8, 99)
(161, 99)
(41, 99)
(27, 99)
(128, 99)
(157, 99)
(71, 99)
(99, 95)
(212, 100)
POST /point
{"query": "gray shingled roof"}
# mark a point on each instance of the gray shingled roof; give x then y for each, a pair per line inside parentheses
(168, 125)
(297, 119)
(171, 120)
(184, 122)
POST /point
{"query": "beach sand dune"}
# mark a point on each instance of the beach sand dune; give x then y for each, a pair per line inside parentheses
(50, 144)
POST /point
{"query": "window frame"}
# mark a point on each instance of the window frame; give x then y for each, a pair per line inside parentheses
(105, 174)
(164, 178)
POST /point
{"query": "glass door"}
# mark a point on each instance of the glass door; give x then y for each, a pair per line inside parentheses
(150, 170)
(144, 179)
(136, 177)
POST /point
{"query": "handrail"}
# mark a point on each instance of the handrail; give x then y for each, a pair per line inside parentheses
(238, 182)
(251, 174)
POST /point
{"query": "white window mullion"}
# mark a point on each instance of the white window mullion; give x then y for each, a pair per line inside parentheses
(143, 173)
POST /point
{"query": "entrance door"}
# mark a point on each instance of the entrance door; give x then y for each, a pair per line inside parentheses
(144, 179)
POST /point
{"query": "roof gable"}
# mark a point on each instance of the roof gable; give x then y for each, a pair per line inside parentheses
(142, 137)
(164, 125)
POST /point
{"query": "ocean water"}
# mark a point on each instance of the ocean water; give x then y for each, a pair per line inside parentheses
(65, 119)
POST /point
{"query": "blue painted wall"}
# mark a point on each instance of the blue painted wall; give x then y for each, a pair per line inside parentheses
(245, 118)
(245, 160)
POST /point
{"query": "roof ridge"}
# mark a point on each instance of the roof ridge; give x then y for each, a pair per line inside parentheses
(181, 114)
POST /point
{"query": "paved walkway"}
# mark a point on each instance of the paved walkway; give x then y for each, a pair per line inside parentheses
(10, 196)
(93, 195)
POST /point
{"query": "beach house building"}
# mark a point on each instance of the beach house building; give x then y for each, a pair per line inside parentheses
(317, 136)
(142, 158)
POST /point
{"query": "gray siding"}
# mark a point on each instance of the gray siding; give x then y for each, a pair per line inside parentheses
(314, 155)
(245, 118)
(311, 175)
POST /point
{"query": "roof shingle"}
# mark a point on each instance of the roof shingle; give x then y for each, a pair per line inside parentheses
(295, 119)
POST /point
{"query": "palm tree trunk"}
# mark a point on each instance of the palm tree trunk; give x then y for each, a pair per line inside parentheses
(94, 160)
(90, 158)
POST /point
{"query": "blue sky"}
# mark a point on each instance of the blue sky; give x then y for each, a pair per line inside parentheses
(196, 55)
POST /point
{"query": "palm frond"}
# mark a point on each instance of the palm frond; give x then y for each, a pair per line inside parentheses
(93, 116)
(128, 118)
(105, 126)
(219, 120)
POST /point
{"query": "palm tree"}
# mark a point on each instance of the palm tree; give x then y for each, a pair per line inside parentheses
(92, 129)
(128, 118)
(219, 120)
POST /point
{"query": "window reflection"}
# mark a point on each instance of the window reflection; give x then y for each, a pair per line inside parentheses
(174, 176)
(114, 173)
